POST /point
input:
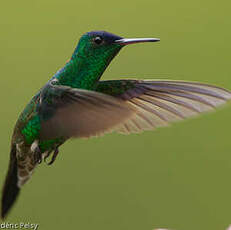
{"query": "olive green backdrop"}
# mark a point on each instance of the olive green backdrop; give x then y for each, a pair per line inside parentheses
(176, 177)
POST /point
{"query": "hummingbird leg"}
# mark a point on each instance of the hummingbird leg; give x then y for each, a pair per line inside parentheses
(54, 156)
(56, 151)
(46, 156)
(37, 155)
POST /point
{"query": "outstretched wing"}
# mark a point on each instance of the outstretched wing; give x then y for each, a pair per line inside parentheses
(158, 102)
(68, 112)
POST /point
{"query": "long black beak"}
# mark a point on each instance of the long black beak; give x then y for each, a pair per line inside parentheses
(127, 41)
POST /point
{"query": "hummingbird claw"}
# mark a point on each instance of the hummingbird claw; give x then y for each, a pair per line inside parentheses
(53, 157)
(46, 156)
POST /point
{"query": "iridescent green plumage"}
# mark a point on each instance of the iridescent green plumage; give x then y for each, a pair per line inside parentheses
(87, 63)
(82, 71)
(74, 103)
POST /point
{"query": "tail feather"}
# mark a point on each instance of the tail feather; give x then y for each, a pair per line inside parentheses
(10, 188)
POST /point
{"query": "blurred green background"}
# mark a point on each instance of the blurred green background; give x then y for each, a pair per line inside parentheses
(176, 177)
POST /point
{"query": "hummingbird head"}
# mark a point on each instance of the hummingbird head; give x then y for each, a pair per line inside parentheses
(96, 49)
(101, 45)
(97, 46)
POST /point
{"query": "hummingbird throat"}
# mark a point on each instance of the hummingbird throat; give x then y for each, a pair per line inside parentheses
(84, 71)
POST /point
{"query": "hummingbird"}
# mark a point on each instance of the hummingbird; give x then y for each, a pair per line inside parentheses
(74, 103)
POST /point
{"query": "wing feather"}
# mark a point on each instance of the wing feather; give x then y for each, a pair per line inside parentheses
(160, 102)
(125, 106)
(80, 113)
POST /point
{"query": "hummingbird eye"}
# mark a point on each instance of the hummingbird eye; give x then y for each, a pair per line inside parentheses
(98, 40)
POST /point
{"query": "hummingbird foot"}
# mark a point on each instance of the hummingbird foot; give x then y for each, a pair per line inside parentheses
(37, 155)
(46, 155)
(56, 151)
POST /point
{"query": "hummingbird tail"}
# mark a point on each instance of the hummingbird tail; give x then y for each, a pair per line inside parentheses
(10, 188)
